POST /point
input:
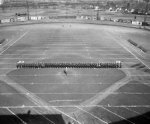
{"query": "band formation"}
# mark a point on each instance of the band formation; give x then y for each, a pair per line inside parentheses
(69, 65)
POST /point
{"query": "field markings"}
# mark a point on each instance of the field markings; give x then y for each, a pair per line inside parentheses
(45, 51)
(64, 52)
(125, 58)
(43, 115)
(66, 100)
(117, 106)
(137, 112)
(72, 54)
(124, 46)
(88, 49)
(137, 57)
(91, 114)
(118, 115)
(38, 47)
(95, 50)
(11, 63)
(136, 75)
(114, 93)
(108, 91)
(71, 83)
(46, 74)
(16, 116)
(35, 99)
(86, 106)
(12, 43)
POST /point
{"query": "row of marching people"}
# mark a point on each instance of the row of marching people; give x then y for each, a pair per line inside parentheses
(68, 65)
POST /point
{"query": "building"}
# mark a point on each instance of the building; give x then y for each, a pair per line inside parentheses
(1, 2)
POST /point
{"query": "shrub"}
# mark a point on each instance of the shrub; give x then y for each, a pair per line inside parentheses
(2, 41)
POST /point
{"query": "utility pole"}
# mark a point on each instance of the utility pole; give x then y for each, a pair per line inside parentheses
(97, 12)
(3, 5)
(97, 15)
(27, 9)
(146, 10)
(36, 7)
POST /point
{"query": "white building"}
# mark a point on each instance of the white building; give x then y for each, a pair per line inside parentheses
(1, 2)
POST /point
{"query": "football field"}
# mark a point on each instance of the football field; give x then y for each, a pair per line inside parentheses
(84, 96)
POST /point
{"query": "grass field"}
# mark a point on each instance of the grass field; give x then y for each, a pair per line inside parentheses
(90, 96)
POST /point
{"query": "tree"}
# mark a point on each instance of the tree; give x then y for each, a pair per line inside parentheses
(146, 1)
(128, 5)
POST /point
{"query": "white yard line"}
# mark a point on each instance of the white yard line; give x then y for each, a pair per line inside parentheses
(43, 116)
(16, 116)
(110, 93)
(73, 83)
(91, 115)
(67, 52)
(117, 106)
(7, 43)
(80, 44)
(36, 47)
(118, 115)
(115, 58)
(35, 99)
(144, 75)
(88, 51)
(137, 112)
(12, 43)
(46, 74)
(68, 106)
(66, 100)
(128, 93)
(121, 44)
(72, 54)
(21, 58)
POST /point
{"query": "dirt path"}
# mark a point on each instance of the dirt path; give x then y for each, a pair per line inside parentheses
(104, 94)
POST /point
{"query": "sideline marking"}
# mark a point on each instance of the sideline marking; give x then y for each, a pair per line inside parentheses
(43, 115)
(124, 46)
(16, 116)
(9, 43)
